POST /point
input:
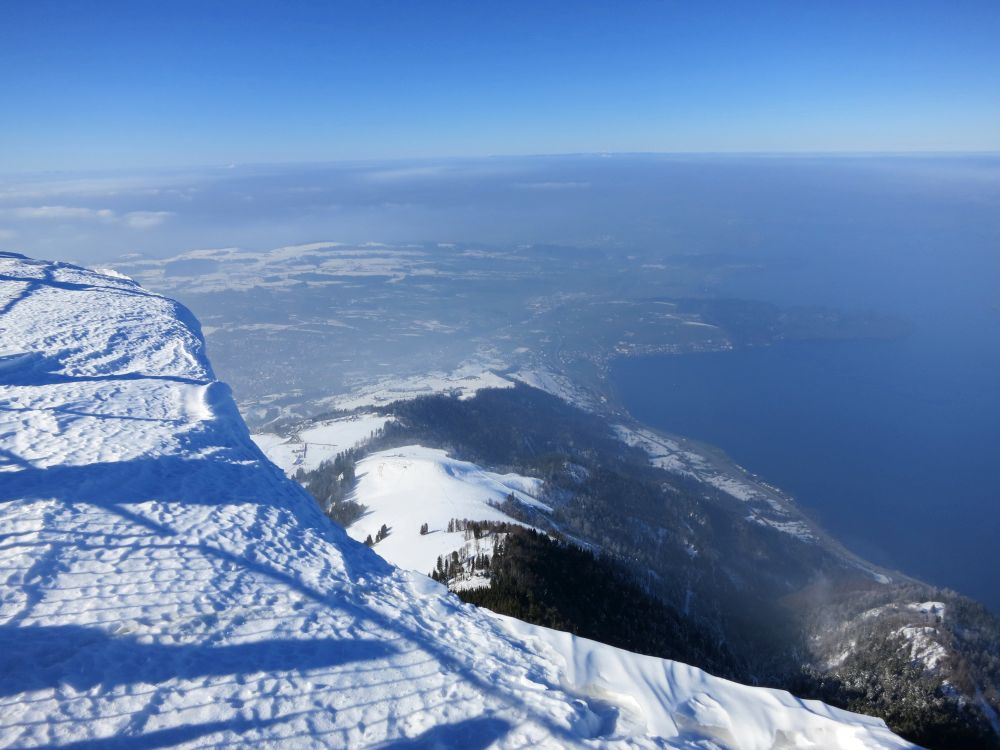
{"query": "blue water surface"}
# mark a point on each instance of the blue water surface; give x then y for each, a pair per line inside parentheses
(890, 448)
(893, 445)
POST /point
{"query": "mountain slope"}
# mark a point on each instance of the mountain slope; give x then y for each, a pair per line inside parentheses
(412, 485)
(164, 584)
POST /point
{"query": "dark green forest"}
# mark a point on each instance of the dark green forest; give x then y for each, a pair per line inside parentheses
(546, 582)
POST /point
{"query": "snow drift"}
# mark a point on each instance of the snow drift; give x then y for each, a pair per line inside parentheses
(163, 584)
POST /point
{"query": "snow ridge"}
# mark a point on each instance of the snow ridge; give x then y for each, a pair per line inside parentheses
(163, 584)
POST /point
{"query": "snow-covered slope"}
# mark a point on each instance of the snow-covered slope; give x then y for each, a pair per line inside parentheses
(163, 584)
(407, 487)
(320, 441)
(465, 382)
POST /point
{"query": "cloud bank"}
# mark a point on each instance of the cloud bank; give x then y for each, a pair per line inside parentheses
(133, 219)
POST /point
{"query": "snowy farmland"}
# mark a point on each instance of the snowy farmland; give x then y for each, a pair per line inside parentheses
(319, 442)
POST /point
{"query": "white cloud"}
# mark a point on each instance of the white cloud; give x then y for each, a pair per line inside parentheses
(61, 213)
(146, 219)
(7, 234)
(95, 187)
(404, 174)
(552, 185)
(133, 219)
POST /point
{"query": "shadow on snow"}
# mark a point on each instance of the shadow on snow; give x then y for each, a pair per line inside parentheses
(36, 657)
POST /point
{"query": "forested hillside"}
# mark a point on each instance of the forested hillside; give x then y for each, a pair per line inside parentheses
(732, 596)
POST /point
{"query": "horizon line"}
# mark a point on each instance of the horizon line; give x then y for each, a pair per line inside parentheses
(233, 165)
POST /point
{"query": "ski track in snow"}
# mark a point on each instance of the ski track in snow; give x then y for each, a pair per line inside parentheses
(163, 584)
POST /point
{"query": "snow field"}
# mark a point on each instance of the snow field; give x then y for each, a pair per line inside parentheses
(464, 383)
(409, 486)
(321, 442)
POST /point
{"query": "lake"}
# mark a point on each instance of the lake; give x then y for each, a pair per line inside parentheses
(894, 446)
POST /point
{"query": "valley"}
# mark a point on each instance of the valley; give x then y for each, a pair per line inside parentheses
(720, 547)
(164, 583)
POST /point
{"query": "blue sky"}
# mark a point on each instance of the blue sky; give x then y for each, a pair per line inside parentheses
(88, 85)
